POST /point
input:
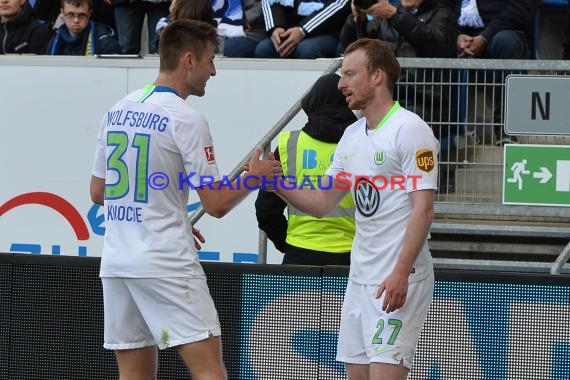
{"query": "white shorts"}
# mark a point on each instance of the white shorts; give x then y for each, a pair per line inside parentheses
(167, 312)
(370, 335)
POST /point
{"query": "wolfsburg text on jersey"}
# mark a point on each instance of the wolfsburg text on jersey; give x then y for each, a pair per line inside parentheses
(137, 119)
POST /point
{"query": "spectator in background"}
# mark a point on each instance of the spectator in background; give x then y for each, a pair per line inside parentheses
(81, 36)
(496, 29)
(129, 18)
(19, 32)
(200, 10)
(45, 11)
(49, 12)
(302, 28)
(253, 25)
(415, 28)
(103, 13)
(306, 154)
(239, 23)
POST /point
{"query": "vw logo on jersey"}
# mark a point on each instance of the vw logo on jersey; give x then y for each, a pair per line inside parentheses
(366, 197)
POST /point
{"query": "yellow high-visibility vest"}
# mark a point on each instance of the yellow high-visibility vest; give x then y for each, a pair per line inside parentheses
(308, 159)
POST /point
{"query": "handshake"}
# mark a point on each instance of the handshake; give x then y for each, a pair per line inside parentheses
(264, 169)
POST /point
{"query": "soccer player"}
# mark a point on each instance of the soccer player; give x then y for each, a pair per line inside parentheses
(79, 35)
(300, 236)
(152, 148)
(387, 159)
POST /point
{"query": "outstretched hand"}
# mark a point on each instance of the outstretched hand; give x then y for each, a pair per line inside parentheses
(267, 169)
(256, 155)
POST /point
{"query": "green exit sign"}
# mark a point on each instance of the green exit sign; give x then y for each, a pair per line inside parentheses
(536, 175)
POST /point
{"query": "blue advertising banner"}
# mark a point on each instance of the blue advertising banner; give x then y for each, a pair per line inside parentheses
(281, 322)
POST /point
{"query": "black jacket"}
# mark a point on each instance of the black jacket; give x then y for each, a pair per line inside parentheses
(102, 37)
(500, 15)
(46, 11)
(24, 35)
(328, 20)
(430, 32)
(254, 25)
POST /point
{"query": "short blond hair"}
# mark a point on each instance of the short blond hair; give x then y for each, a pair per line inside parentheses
(182, 36)
(380, 56)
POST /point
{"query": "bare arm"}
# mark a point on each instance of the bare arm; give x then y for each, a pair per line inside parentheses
(97, 190)
(219, 200)
(396, 284)
(318, 202)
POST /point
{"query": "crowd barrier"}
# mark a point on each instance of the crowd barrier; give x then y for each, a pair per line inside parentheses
(281, 322)
(49, 211)
(464, 103)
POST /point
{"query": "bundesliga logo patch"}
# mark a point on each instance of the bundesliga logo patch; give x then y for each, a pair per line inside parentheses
(425, 160)
(209, 152)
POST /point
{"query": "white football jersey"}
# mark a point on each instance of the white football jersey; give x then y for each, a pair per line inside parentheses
(381, 167)
(152, 149)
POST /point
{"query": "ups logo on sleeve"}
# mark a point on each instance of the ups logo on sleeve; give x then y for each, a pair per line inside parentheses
(425, 160)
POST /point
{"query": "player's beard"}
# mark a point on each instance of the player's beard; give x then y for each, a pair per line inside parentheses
(359, 100)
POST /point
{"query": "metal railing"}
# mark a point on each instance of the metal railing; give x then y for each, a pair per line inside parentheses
(265, 142)
(463, 101)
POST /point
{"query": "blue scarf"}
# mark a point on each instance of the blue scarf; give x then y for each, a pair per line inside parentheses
(63, 34)
(229, 15)
(305, 8)
(469, 16)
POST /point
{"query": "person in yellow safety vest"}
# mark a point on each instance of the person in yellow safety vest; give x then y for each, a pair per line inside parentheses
(305, 155)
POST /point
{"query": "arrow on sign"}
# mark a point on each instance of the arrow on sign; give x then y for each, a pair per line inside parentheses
(544, 174)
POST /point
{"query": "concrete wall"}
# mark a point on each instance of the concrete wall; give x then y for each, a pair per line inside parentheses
(51, 108)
